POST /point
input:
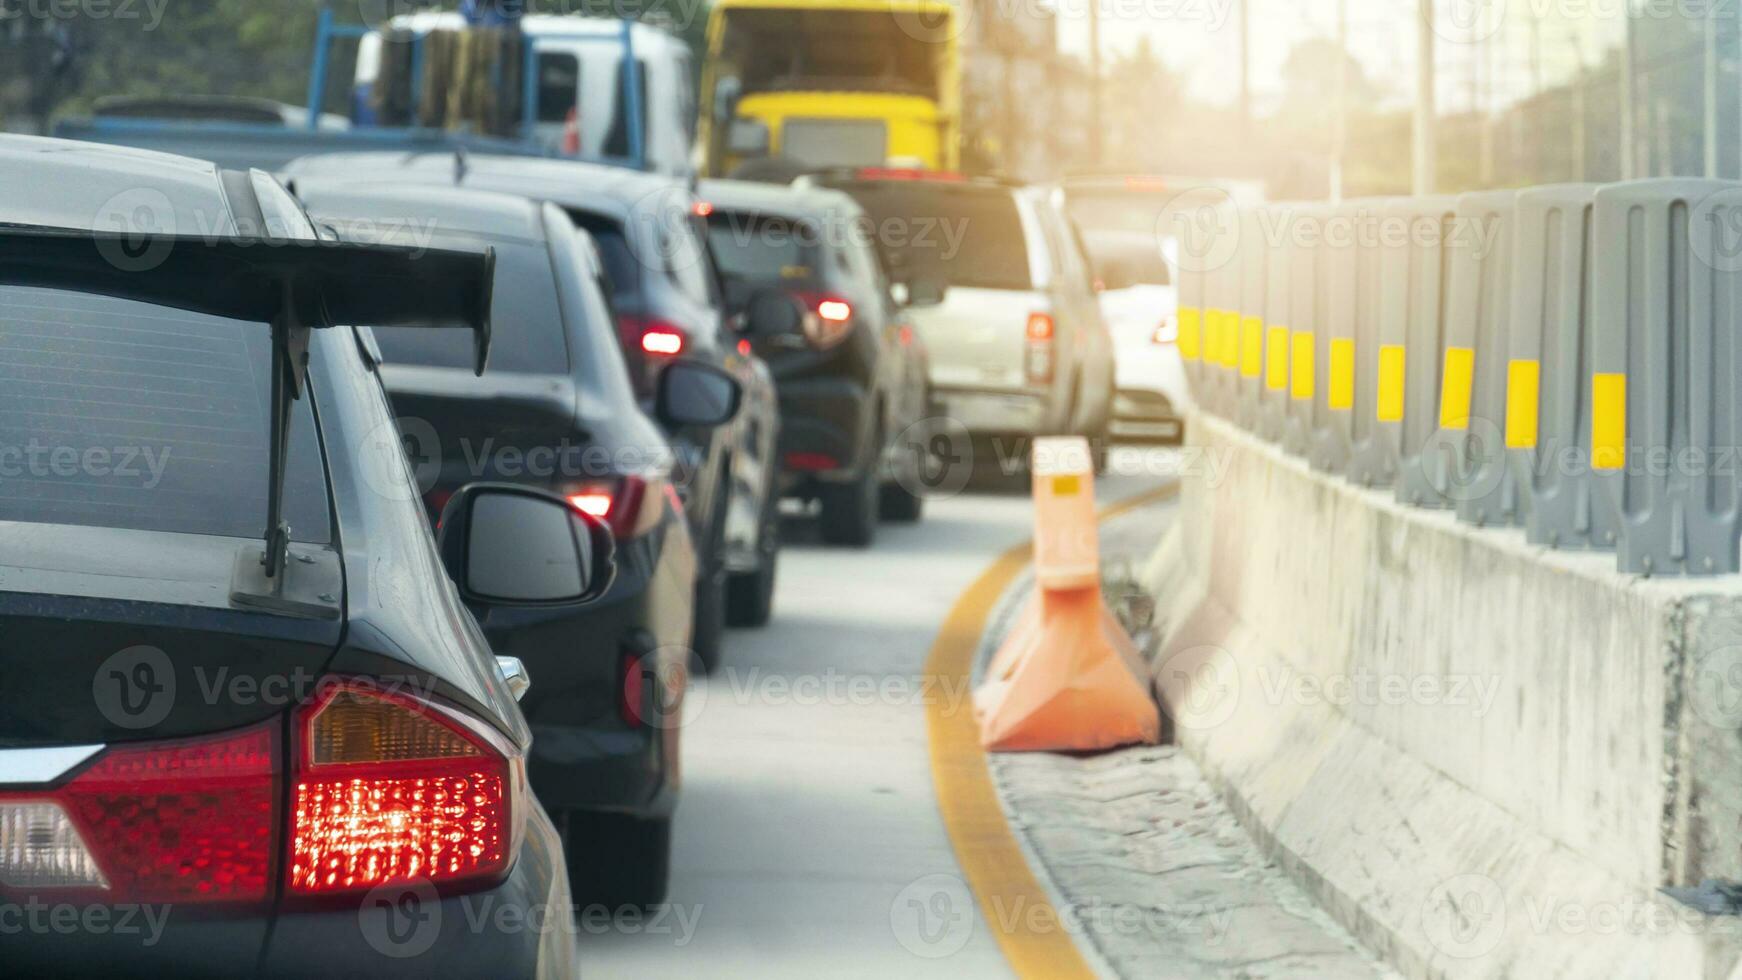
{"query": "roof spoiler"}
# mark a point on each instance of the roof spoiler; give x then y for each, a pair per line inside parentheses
(293, 286)
(311, 284)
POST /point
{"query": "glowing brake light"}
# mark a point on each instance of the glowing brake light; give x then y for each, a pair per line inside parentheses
(662, 340)
(390, 788)
(1040, 326)
(631, 505)
(828, 320)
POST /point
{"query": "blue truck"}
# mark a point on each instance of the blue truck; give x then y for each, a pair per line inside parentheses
(596, 89)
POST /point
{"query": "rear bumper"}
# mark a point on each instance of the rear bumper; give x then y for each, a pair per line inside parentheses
(823, 418)
(983, 411)
(585, 755)
(1152, 393)
(522, 928)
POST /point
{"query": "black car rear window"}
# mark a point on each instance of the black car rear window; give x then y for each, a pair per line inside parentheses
(526, 326)
(622, 271)
(120, 414)
(968, 236)
(762, 250)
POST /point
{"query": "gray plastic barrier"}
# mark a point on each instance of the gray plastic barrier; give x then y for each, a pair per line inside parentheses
(1264, 338)
(1372, 461)
(1665, 421)
(1223, 280)
(1306, 230)
(1548, 422)
(1466, 461)
(1253, 315)
(1190, 319)
(1412, 322)
(1335, 314)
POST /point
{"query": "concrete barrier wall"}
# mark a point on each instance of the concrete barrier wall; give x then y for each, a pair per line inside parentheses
(1485, 757)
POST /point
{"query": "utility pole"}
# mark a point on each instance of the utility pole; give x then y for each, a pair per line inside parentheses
(1424, 131)
(1096, 120)
(1340, 133)
(1710, 91)
(1628, 162)
(1245, 71)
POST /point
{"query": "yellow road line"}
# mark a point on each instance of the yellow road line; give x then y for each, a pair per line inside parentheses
(1012, 902)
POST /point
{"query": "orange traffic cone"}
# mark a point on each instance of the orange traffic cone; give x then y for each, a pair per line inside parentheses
(1067, 677)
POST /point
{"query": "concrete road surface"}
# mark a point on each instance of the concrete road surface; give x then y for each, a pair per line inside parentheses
(808, 839)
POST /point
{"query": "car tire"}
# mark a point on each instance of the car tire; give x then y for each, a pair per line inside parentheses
(750, 595)
(708, 638)
(899, 505)
(850, 510)
(615, 859)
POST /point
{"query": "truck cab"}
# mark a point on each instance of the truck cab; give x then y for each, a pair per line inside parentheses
(814, 84)
(586, 105)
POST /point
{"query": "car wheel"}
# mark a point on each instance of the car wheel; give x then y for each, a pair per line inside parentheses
(709, 636)
(615, 859)
(898, 504)
(750, 595)
(850, 510)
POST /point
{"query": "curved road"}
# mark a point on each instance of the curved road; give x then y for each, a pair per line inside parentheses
(809, 834)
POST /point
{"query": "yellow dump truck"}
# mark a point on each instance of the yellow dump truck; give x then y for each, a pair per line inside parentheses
(831, 83)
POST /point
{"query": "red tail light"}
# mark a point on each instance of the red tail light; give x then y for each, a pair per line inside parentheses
(827, 320)
(811, 462)
(632, 505)
(1038, 361)
(651, 336)
(908, 173)
(390, 788)
(188, 821)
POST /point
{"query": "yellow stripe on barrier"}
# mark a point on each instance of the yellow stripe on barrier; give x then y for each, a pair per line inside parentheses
(1231, 339)
(1523, 395)
(1457, 377)
(1251, 346)
(1301, 366)
(1276, 359)
(1188, 332)
(1390, 407)
(1342, 394)
(1608, 421)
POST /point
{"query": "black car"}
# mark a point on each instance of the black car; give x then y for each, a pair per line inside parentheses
(248, 723)
(803, 268)
(668, 305)
(556, 411)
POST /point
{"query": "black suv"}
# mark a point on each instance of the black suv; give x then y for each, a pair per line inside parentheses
(242, 703)
(667, 303)
(802, 268)
(556, 411)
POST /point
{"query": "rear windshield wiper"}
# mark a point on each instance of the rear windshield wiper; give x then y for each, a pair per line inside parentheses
(293, 286)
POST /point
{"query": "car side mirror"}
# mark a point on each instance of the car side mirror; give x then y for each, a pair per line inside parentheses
(508, 545)
(696, 395)
(926, 291)
(747, 138)
(772, 312)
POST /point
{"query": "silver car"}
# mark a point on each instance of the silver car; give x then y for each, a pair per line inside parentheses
(1001, 291)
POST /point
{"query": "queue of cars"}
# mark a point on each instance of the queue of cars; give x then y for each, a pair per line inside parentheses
(470, 459)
